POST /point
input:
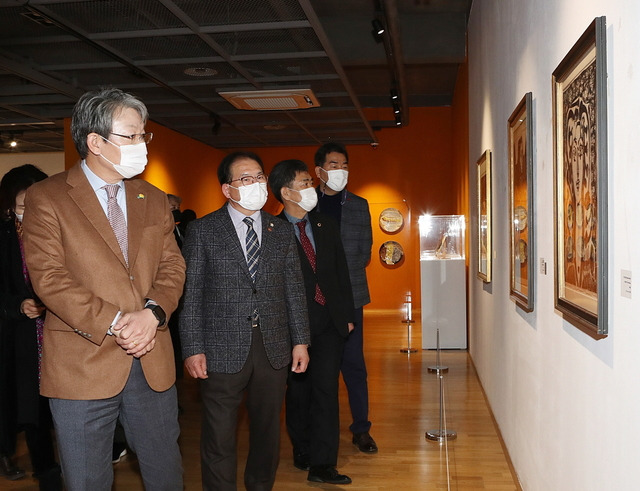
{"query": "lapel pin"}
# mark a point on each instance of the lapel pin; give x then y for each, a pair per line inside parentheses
(140, 196)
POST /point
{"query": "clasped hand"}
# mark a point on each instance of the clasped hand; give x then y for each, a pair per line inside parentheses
(135, 332)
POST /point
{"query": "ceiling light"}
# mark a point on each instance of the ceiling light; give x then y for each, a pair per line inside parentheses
(200, 71)
(378, 28)
(13, 144)
(396, 109)
(398, 120)
(394, 95)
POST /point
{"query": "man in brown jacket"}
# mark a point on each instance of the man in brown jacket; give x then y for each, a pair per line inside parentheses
(102, 258)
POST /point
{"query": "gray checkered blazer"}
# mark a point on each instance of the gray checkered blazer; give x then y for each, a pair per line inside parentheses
(220, 297)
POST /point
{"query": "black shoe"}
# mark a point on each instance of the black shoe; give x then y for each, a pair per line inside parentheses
(9, 470)
(327, 474)
(119, 451)
(301, 461)
(364, 442)
(50, 480)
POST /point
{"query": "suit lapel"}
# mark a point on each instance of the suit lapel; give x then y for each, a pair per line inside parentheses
(229, 236)
(86, 200)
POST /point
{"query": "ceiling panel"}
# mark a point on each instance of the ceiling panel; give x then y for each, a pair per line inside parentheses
(176, 55)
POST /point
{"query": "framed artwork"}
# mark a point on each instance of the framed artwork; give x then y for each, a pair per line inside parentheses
(580, 182)
(484, 217)
(522, 245)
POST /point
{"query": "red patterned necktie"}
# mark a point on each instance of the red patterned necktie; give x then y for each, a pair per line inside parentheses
(116, 219)
(311, 256)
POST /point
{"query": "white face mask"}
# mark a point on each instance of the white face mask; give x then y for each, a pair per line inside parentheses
(252, 197)
(133, 159)
(19, 217)
(309, 198)
(337, 179)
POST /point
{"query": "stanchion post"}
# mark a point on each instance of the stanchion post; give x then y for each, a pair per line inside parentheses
(408, 320)
(442, 433)
(437, 367)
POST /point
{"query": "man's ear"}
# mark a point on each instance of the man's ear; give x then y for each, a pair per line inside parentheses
(225, 191)
(318, 169)
(95, 142)
(285, 193)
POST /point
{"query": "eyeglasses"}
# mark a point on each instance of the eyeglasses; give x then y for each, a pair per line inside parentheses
(249, 180)
(139, 138)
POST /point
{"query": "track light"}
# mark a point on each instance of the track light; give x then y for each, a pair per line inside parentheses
(378, 30)
(13, 144)
(398, 119)
(396, 109)
(394, 94)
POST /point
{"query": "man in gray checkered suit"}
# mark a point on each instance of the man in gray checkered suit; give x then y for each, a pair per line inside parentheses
(243, 324)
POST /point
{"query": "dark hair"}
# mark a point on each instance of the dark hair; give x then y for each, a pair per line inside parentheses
(224, 169)
(326, 149)
(283, 175)
(16, 180)
(94, 113)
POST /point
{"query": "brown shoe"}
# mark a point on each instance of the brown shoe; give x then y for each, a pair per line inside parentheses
(9, 470)
(364, 442)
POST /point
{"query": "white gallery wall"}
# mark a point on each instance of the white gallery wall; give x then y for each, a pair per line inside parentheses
(568, 406)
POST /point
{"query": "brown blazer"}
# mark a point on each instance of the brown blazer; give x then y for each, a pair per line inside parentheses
(79, 273)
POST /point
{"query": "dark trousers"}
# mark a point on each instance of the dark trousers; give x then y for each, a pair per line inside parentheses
(354, 374)
(312, 412)
(221, 397)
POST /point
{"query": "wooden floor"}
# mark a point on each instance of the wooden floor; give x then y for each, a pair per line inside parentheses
(404, 404)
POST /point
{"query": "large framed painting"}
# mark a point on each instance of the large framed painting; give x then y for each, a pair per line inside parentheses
(580, 182)
(484, 216)
(521, 179)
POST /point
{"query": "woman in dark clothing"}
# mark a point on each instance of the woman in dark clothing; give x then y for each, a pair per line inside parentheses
(22, 317)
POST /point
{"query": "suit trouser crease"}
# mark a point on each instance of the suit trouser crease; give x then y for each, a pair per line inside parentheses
(222, 395)
(354, 374)
(313, 414)
(85, 430)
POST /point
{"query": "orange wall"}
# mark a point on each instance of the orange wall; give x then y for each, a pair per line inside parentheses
(412, 169)
(420, 168)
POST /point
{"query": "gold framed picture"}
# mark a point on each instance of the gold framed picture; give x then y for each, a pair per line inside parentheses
(580, 182)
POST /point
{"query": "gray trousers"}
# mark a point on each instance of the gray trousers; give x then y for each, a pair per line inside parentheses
(84, 431)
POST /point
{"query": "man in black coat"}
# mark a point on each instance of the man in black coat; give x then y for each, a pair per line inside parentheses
(312, 412)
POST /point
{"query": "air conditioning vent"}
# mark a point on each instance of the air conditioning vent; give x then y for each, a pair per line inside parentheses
(272, 100)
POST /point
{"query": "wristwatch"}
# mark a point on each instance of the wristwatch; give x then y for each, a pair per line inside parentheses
(158, 312)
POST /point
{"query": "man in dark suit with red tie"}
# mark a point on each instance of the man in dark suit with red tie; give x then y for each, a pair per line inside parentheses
(312, 411)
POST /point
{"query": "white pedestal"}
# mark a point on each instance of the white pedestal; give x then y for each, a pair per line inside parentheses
(443, 303)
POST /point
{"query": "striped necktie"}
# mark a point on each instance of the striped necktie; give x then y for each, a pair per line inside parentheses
(253, 248)
(116, 219)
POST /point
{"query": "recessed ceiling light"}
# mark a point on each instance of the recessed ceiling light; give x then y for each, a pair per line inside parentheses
(200, 71)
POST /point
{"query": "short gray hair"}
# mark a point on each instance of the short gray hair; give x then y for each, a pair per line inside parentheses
(94, 113)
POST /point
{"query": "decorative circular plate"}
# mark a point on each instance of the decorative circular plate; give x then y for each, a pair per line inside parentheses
(520, 218)
(391, 220)
(391, 252)
(522, 251)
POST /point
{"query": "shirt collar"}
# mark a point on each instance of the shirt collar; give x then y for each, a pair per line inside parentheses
(95, 181)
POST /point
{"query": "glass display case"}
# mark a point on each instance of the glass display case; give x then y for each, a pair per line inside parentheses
(441, 237)
(443, 280)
